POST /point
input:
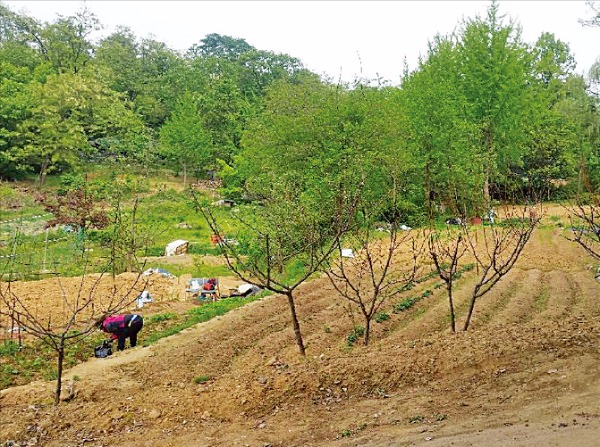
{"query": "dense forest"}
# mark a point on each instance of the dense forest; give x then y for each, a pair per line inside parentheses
(484, 116)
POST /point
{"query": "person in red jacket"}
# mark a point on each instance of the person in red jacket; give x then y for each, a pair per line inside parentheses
(121, 327)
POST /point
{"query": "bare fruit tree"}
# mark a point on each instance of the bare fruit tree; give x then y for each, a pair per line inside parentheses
(80, 312)
(80, 309)
(282, 244)
(494, 248)
(383, 260)
(585, 226)
(446, 248)
(497, 248)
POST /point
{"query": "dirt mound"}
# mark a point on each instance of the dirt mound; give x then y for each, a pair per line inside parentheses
(526, 374)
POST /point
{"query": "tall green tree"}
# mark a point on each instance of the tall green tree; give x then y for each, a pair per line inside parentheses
(65, 44)
(184, 139)
(67, 114)
(441, 136)
(551, 136)
(493, 71)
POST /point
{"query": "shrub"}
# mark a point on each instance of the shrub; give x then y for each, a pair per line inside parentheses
(405, 304)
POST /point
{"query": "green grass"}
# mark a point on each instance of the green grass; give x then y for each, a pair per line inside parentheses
(201, 379)
(160, 317)
(197, 315)
(35, 360)
(355, 334)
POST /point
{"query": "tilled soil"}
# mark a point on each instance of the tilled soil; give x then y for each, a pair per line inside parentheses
(527, 373)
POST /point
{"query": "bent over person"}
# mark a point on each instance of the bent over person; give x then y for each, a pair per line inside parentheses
(121, 327)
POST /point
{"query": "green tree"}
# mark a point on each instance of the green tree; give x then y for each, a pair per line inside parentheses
(442, 139)
(119, 53)
(184, 139)
(67, 112)
(493, 71)
(51, 135)
(221, 47)
(64, 44)
(14, 107)
(551, 136)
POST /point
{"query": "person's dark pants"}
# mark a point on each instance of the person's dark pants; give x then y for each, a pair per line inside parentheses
(131, 333)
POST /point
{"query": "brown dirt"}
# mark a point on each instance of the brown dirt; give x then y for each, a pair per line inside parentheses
(526, 374)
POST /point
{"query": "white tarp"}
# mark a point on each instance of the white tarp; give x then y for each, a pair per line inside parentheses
(347, 253)
(172, 247)
(143, 299)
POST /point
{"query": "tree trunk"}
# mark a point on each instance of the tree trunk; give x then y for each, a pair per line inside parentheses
(59, 370)
(470, 314)
(367, 329)
(184, 175)
(486, 188)
(489, 149)
(42, 175)
(451, 303)
(296, 324)
(428, 192)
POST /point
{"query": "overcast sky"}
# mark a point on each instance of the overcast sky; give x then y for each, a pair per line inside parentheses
(339, 38)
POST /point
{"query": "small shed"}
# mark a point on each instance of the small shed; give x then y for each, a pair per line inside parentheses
(178, 247)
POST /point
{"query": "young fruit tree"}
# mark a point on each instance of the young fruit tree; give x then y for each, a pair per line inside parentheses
(494, 248)
(585, 226)
(80, 310)
(497, 248)
(282, 244)
(384, 259)
(96, 295)
(446, 248)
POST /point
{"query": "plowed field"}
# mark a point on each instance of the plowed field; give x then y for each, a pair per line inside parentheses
(527, 373)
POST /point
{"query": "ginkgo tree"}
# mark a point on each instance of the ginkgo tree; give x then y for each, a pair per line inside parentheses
(184, 139)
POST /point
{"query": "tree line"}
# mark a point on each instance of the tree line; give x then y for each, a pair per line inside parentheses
(484, 115)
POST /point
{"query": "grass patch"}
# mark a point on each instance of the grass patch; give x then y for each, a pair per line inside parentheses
(541, 301)
(199, 314)
(201, 379)
(160, 317)
(34, 360)
(355, 334)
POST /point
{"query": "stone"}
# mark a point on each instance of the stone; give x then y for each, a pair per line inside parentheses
(154, 414)
(272, 361)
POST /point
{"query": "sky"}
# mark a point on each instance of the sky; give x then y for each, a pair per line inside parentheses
(339, 39)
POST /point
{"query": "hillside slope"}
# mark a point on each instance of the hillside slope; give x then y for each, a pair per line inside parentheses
(528, 373)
